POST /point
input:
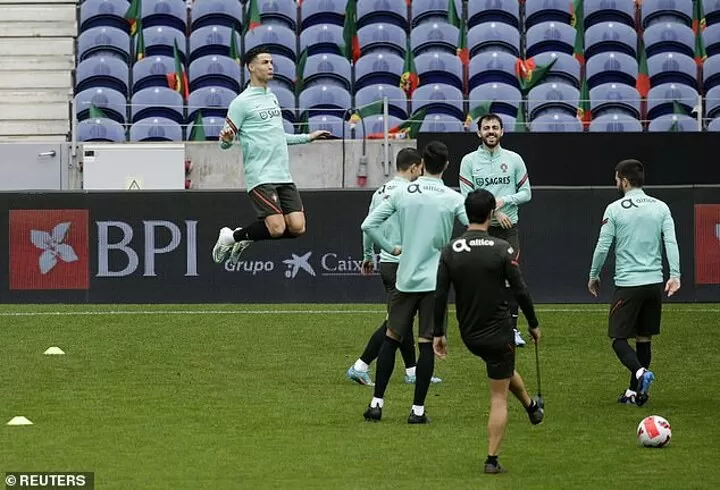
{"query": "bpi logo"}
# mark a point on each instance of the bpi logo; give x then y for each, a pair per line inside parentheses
(49, 249)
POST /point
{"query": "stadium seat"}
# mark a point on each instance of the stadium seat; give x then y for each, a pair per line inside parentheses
(213, 101)
(440, 68)
(389, 12)
(322, 38)
(111, 102)
(441, 123)
(375, 125)
(609, 37)
(278, 39)
(542, 11)
(382, 38)
(327, 69)
(434, 36)
(493, 36)
(378, 68)
(616, 98)
(103, 41)
(655, 11)
(156, 129)
(664, 37)
(507, 121)
(325, 99)
(108, 13)
(550, 36)
(424, 11)
(712, 12)
(323, 12)
(684, 124)
(553, 97)
(712, 102)
(601, 11)
(615, 123)
(157, 102)
(660, 99)
(212, 40)
(101, 129)
(101, 71)
(397, 100)
(207, 13)
(167, 13)
(152, 72)
(492, 66)
(217, 71)
(211, 125)
(279, 12)
(711, 39)
(711, 72)
(565, 70)
(326, 122)
(714, 125)
(159, 41)
(284, 71)
(438, 99)
(505, 11)
(556, 123)
(286, 99)
(611, 67)
(505, 98)
(288, 127)
(672, 68)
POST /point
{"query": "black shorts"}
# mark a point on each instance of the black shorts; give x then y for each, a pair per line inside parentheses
(269, 199)
(499, 359)
(510, 235)
(635, 311)
(402, 310)
(388, 274)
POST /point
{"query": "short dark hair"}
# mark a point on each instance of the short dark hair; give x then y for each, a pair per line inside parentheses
(254, 53)
(633, 171)
(406, 158)
(478, 205)
(435, 157)
(490, 116)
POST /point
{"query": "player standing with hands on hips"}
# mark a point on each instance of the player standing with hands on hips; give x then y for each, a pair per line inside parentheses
(503, 173)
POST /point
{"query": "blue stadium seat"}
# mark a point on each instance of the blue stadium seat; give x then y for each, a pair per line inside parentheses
(441, 123)
(542, 11)
(157, 102)
(286, 99)
(434, 36)
(553, 98)
(156, 129)
(507, 121)
(712, 12)
(672, 68)
(100, 71)
(159, 41)
(111, 102)
(439, 67)
(712, 102)
(506, 98)
(556, 123)
(611, 67)
(565, 70)
(615, 98)
(615, 123)
(213, 101)
(212, 40)
(438, 99)
(550, 36)
(492, 66)
(323, 12)
(326, 122)
(654, 11)
(505, 11)
(685, 124)
(714, 125)
(378, 68)
(152, 72)
(278, 39)
(168, 13)
(431, 11)
(610, 37)
(214, 71)
(327, 69)
(325, 99)
(382, 38)
(711, 39)
(217, 13)
(322, 38)
(375, 125)
(108, 13)
(711, 72)
(288, 127)
(600, 11)
(101, 129)
(664, 37)
(389, 12)
(397, 100)
(103, 41)
(280, 12)
(211, 125)
(493, 36)
(660, 99)
(284, 71)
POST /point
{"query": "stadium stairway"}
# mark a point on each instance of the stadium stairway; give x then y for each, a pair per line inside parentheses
(37, 58)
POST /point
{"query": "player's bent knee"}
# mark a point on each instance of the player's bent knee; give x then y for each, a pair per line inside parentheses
(276, 227)
(296, 229)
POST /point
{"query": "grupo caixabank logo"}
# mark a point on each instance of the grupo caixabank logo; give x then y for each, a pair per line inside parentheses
(49, 249)
(707, 244)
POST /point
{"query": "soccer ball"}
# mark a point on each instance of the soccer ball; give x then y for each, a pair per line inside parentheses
(654, 431)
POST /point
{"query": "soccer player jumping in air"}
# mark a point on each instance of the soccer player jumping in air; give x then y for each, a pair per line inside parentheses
(255, 117)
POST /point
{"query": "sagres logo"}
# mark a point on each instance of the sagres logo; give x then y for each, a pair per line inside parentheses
(49, 249)
(297, 263)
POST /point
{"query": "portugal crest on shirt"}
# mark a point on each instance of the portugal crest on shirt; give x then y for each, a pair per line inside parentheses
(503, 167)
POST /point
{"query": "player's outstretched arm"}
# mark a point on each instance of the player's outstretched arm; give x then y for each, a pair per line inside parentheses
(299, 139)
(605, 239)
(672, 252)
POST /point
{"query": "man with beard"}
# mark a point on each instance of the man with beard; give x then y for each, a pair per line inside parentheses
(639, 224)
(503, 173)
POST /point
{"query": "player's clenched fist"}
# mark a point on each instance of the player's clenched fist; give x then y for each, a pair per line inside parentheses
(227, 135)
